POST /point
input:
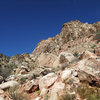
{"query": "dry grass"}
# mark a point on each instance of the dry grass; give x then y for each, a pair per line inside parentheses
(15, 94)
(88, 93)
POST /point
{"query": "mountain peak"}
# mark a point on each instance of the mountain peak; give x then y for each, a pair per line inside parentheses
(73, 30)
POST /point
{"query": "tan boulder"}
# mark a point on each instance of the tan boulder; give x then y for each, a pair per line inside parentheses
(47, 80)
(8, 84)
(66, 74)
(44, 91)
(46, 59)
(54, 96)
(58, 87)
(56, 90)
(89, 70)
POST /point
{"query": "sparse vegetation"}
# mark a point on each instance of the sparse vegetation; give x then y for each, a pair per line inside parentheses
(88, 93)
(70, 81)
(38, 92)
(46, 97)
(97, 37)
(7, 70)
(67, 96)
(93, 46)
(22, 80)
(76, 54)
(33, 66)
(15, 94)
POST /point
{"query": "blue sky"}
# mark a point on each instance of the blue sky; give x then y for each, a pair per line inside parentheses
(23, 23)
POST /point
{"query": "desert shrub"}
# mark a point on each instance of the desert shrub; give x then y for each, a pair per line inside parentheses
(76, 54)
(70, 81)
(15, 94)
(93, 46)
(33, 66)
(22, 80)
(7, 70)
(88, 93)
(46, 97)
(38, 92)
(97, 37)
(63, 67)
(67, 96)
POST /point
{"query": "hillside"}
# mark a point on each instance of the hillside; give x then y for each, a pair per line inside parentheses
(64, 67)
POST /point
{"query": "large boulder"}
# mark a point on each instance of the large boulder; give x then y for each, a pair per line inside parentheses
(58, 87)
(46, 59)
(89, 71)
(47, 80)
(63, 59)
(44, 91)
(8, 84)
(66, 74)
(54, 96)
(57, 90)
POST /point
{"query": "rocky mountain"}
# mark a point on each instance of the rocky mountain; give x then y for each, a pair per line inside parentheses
(64, 67)
(71, 31)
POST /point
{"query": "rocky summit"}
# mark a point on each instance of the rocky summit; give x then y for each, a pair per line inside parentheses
(64, 67)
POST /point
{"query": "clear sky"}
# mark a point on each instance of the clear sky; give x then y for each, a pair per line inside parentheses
(23, 23)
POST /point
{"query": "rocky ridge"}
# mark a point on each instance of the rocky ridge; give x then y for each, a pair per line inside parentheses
(65, 67)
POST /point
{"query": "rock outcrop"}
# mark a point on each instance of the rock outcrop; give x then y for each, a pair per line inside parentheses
(70, 32)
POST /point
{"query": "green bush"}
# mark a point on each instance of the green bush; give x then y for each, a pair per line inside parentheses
(76, 54)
